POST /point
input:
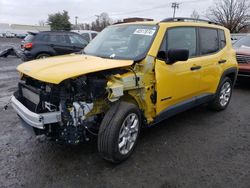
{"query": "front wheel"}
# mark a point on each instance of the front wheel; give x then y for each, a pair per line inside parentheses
(119, 132)
(223, 95)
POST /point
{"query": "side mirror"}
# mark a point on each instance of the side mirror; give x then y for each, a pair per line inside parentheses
(173, 55)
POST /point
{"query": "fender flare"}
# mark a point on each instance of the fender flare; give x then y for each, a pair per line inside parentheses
(228, 71)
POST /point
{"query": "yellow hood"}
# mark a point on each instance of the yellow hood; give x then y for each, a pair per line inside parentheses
(56, 69)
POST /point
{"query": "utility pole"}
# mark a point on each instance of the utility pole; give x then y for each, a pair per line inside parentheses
(175, 6)
(76, 17)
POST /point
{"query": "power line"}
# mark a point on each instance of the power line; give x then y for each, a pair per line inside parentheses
(145, 10)
(142, 10)
(156, 7)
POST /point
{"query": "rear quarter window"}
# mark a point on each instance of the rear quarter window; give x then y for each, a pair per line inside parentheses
(29, 38)
(222, 38)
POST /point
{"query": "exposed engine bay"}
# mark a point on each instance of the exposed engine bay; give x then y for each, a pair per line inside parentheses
(74, 98)
(72, 111)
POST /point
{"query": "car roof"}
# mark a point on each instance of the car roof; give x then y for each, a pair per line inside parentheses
(58, 32)
(84, 31)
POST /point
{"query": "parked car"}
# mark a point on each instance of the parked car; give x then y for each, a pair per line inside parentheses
(10, 35)
(1, 35)
(242, 47)
(236, 36)
(21, 36)
(51, 43)
(113, 91)
(88, 35)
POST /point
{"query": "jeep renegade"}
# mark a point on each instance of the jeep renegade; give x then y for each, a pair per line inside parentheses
(130, 76)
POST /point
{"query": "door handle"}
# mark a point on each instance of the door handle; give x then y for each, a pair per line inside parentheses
(222, 61)
(195, 68)
(52, 45)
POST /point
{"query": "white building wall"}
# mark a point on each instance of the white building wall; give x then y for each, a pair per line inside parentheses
(21, 29)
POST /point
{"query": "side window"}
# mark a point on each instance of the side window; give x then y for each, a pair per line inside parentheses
(75, 39)
(209, 41)
(61, 39)
(222, 38)
(42, 37)
(86, 36)
(53, 38)
(182, 38)
(93, 35)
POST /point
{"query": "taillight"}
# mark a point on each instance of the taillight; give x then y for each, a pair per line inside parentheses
(28, 45)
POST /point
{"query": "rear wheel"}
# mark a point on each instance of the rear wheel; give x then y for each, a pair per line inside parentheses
(223, 95)
(119, 132)
(42, 56)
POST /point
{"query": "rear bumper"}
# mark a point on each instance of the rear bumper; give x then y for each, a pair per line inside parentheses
(26, 55)
(244, 70)
(33, 119)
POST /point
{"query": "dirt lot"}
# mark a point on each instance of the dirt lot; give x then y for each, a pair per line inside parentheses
(198, 148)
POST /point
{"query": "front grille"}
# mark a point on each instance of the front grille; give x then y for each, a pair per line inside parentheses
(243, 59)
(29, 96)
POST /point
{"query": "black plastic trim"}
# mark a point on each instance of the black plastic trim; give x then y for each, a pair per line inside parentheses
(183, 106)
(230, 71)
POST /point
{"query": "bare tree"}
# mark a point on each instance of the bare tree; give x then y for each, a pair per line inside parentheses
(233, 14)
(103, 20)
(195, 15)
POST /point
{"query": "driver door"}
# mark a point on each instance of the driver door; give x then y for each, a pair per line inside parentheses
(178, 83)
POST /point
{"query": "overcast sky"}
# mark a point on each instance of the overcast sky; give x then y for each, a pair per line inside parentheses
(33, 11)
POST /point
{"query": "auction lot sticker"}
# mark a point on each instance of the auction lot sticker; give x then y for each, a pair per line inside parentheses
(148, 32)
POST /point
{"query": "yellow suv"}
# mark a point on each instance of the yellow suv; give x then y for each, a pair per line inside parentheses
(130, 76)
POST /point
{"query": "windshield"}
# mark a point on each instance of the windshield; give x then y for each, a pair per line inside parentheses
(242, 43)
(122, 42)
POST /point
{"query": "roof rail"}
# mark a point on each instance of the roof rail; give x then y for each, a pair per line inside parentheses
(183, 19)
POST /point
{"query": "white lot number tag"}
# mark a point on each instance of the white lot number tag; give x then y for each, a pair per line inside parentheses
(148, 32)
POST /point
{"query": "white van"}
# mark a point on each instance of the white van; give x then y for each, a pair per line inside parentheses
(87, 34)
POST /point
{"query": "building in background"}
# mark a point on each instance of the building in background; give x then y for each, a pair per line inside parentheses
(18, 29)
(134, 19)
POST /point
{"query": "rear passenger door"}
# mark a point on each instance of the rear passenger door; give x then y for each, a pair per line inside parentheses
(210, 57)
(59, 43)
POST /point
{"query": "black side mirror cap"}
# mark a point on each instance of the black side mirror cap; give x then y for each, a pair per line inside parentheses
(173, 55)
(162, 55)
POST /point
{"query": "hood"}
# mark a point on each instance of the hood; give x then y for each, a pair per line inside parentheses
(56, 69)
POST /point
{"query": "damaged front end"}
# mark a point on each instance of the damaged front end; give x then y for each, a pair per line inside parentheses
(69, 112)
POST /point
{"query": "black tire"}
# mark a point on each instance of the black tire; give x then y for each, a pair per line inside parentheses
(42, 56)
(110, 131)
(217, 104)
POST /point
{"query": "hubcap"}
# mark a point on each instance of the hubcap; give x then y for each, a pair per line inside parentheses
(225, 94)
(128, 133)
(43, 56)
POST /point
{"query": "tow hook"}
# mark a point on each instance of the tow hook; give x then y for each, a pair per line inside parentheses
(6, 106)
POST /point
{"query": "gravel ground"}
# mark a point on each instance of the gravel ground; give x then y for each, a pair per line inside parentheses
(197, 148)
